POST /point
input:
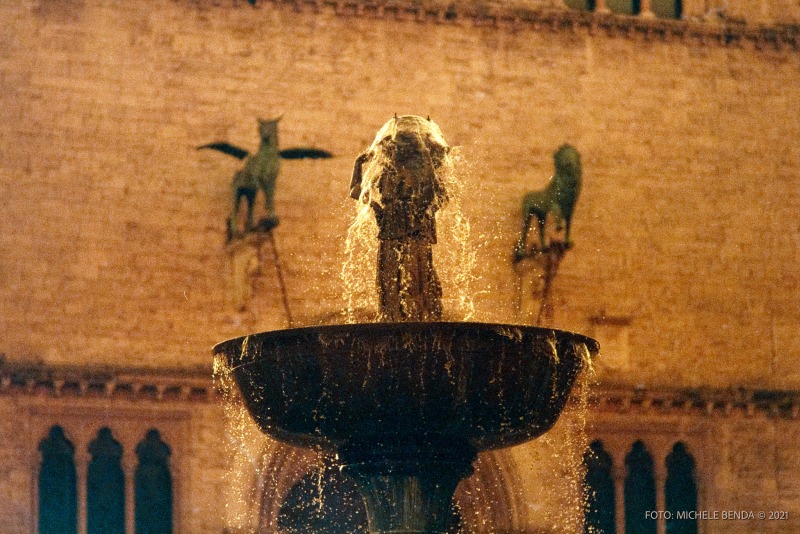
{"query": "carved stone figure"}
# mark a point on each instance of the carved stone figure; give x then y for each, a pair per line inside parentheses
(399, 176)
(558, 199)
(260, 172)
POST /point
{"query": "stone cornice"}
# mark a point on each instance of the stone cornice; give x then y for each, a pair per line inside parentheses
(133, 384)
(709, 402)
(728, 33)
(196, 385)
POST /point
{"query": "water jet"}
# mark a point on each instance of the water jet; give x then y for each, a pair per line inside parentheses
(406, 403)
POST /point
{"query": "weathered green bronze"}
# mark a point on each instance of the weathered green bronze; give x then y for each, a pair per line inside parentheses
(260, 172)
(406, 406)
(399, 176)
(558, 199)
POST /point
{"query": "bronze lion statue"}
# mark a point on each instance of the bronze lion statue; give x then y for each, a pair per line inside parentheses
(558, 198)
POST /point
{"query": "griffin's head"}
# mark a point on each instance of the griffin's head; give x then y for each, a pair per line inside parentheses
(268, 130)
(567, 160)
(410, 145)
(407, 136)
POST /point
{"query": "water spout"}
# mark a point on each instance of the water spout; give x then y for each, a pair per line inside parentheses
(406, 404)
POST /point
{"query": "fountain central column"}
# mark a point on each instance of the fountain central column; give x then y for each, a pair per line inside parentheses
(407, 483)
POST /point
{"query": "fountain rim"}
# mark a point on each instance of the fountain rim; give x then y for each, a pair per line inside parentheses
(223, 347)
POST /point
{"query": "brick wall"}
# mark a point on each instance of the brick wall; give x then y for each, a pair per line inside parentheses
(112, 245)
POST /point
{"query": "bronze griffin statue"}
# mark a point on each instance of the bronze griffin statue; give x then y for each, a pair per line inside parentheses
(259, 173)
(557, 199)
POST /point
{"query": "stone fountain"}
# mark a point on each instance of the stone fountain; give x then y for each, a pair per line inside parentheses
(406, 403)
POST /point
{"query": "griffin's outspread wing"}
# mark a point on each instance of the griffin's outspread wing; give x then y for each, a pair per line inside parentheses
(227, 148)
(305, 153)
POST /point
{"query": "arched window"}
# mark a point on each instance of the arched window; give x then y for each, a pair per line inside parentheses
(153, 483)
(640, 491)
(105, 486)
(680, 490)
(599, 509)
(58, 498)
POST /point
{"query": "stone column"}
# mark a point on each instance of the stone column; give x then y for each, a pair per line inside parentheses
(407, 485)
(619, 495)
(601, 7)
(645, 11)
(129, 468)
(661, 478)
(81, 471)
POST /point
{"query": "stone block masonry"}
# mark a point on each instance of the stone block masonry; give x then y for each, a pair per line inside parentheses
(112, 246)
(112, 230)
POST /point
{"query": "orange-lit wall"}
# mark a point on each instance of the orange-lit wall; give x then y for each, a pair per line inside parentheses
(112, 226)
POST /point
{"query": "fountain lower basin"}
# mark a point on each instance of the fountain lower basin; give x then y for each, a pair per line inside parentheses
(407, 406)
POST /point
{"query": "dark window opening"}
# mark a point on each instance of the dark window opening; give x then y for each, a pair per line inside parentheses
(680, 490)
(153, 486)
(640, 491)
(58, 497)
(600, 505)
(105, 486)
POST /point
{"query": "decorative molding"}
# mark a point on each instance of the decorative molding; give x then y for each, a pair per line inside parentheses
(132, 384)
(195, 384)
(725, 33)
(702, 402)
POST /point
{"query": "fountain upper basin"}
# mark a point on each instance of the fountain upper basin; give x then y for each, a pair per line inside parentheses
(332, 386)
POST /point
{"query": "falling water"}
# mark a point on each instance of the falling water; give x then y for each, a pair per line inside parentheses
(567, 443)
(551, 488)
(359, 270)
(251, 477)
(245, 447)
(454, 253)
(555, 501)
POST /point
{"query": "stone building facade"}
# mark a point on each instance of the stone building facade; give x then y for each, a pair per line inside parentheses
(116, 279)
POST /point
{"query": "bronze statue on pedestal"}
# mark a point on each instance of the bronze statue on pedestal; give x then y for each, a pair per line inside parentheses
(259, 173)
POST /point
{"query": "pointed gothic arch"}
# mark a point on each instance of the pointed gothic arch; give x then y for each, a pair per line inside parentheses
(640, 491)
(680, 490)
(600, 504)
(58, 496)
(105, 486)
(153, 506)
